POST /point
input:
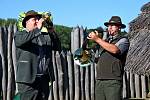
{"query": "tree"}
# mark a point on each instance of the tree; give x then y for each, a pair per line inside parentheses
(6, 22)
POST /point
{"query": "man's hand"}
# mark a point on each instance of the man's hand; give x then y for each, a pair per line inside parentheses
(40, 23)
(93, 36)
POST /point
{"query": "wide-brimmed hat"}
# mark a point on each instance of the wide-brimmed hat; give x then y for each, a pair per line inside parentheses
(116, 20)
(28, 15)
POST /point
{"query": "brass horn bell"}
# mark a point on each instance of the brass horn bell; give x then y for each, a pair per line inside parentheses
(83, 57)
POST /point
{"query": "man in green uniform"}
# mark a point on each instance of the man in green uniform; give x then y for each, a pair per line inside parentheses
(111, 61)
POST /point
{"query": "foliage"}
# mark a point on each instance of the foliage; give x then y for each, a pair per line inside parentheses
(6, 22)
(20, 19)
(64, 35)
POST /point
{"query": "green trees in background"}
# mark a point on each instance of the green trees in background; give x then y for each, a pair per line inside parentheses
(6, 22)
(64, 34)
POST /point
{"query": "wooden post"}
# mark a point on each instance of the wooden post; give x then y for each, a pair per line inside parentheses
(132, 86)
(82, 82)
(60, 76)
(124, 93)
(87, 83)
(14, 56)
(65, 76)
(75, 39)
(55, 83)
(72, 40)
(128, 84)
(76, 67)
(11, 78)
(92, 86)
(143, 84)
(2, 52)
(70, 75)
(81, 36)
(82, 69)
(137, 86)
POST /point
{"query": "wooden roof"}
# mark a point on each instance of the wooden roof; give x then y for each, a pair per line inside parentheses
(138, 58)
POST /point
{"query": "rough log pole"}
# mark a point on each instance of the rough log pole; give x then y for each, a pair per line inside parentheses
(2, 52)
(87, 83)
(82, 81)
(137, 86)
(124, 94)
(70, 75)
(92, 86)
(76, 68)
(143, 86)
(82, 69)
(132, 88)
(55, 83)
(65, 76)
(14, 57)
(128, 84)
(11, 78)
(60, 76)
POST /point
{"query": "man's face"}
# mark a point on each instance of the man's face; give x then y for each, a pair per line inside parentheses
(31, 23)
(113, 29)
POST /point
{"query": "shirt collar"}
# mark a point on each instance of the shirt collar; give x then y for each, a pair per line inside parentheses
(114, 36)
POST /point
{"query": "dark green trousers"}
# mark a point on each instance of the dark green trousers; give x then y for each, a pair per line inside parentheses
(39, 90)
(108, 90)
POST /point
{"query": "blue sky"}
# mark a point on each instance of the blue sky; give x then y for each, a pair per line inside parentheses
(86, 13)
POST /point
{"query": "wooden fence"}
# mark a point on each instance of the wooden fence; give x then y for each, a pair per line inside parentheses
(71, 81)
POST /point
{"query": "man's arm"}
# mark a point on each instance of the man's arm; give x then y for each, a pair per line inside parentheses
(112, 48)
(119, 48)
(24, 37)
(123, 45)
